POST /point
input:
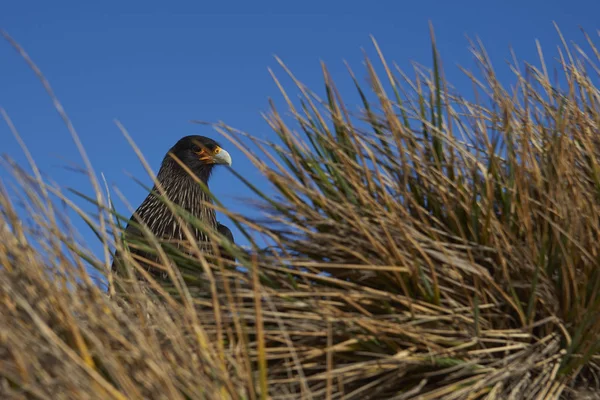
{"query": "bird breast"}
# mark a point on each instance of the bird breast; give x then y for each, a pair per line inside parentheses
(186, 193)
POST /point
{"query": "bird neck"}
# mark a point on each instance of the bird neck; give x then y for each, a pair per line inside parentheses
(183, 190)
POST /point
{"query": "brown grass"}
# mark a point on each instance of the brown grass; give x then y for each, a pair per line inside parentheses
(422, 247)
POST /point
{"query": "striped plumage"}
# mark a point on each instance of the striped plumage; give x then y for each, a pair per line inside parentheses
(199, 154)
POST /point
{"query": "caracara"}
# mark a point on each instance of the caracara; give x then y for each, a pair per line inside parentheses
(200, 155)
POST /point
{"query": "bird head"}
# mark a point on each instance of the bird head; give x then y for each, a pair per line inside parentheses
(200, 154)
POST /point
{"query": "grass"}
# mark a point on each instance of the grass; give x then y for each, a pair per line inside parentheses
(421, 246)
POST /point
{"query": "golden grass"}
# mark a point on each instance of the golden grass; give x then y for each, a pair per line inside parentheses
(422, 247)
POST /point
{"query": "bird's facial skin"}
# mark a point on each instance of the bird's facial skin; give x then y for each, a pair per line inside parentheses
(214, 156)
(198, 153)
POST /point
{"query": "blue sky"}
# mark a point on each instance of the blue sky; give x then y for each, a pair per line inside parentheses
(157, 65)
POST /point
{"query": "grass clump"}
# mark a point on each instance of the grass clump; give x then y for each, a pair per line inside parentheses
(424, 246)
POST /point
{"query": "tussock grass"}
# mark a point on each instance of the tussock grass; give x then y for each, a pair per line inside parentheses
(422, 246)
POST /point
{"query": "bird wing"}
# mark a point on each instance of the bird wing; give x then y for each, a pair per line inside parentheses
(225, 231)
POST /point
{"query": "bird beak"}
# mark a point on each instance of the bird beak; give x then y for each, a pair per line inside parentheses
(222, 157)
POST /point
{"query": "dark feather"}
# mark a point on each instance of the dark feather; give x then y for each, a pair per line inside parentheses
(183, 190)
(225, 231)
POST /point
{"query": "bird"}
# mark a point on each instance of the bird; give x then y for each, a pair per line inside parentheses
(199, 155)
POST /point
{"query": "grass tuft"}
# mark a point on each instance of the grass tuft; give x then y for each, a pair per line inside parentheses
(421, 245)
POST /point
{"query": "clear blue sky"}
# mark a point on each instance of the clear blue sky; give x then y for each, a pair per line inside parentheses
(157, 65)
